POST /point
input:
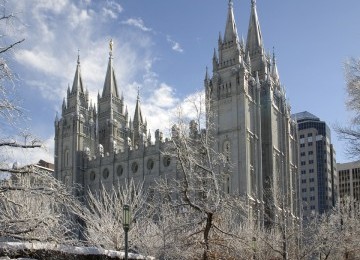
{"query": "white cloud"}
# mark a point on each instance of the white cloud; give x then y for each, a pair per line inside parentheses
(55, 6)
(112, 9)
(115, 6)
(109, 13)
(164, 96)
(175, 45)
(138, 23)
(38, 59)
(78, 17)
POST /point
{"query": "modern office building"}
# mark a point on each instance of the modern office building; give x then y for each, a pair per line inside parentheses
(349, 179)
(318, 174)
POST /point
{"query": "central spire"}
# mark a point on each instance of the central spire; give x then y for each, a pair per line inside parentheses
(230, 29)
(110, 85)
(77, 83)
(254, 41)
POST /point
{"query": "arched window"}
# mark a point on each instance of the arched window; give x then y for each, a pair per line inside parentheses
(150, 164)
(119, 170)
(105, 173)
(92, 176)
(166, 160)
(134, 167)
(227, 150)
(66, 157)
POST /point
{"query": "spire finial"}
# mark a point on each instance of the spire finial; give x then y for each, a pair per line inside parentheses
(274, 61)
(230, 3)
(78, 58)
(138, 92)
(111, 44)
(253, 3)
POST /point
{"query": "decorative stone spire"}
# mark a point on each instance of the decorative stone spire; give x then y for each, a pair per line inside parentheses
(274, 70)
(110, 85)
(206, 75)
(138, 119)
(139, 127)
(242, 43)
(230, 29)
(64, 104)
(77, 84)
(248, 60)
(56, 117)
(215, 61)
(130, 124)
(220, 41)
(257, 80)
(254, 43)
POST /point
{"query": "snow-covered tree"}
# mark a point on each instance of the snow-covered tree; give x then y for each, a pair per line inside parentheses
(104, 213)
(196, 193)
(34, 206)
(351, 133)
(338, 233)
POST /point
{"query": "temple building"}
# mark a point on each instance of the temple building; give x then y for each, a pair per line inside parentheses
(101, 145)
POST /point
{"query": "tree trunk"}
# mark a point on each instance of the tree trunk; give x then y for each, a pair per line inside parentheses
(209, 217)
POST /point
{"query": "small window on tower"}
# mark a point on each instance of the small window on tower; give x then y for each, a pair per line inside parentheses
(106, 173)
(227, 150)
(66, 157)
(92, 176)
(166, 160)
(150, 164)
(134, 167)
(119, 170)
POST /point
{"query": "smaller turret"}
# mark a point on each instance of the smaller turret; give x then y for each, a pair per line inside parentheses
(274, 70)
(215, 61)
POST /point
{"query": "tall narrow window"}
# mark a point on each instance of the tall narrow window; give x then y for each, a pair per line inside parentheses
(66, 159)
(227, 150)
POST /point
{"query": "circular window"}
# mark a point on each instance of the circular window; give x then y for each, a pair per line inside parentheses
(92, 176)
(106, 173)
(134, 167)
(166, 160)
(150, 164)
(119, 170)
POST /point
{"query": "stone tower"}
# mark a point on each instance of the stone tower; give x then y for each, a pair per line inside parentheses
(112, 119)
(75, 131)
(83, 132)
(252, 120)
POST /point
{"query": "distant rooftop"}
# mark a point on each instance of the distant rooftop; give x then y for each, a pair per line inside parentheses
(45, 164)
(303, 116)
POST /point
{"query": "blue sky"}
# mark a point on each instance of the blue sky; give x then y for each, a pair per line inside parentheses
(164, 46)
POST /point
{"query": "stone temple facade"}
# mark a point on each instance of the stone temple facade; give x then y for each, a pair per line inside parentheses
(100, 145)
(252, 118)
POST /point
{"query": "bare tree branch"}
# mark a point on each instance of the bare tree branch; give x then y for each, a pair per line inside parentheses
(5, 49)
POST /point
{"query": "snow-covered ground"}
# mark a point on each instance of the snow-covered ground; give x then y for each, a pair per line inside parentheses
(65, 250)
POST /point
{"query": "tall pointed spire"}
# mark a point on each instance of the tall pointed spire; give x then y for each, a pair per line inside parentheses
(254, 43)
(230, 29)
(215, 61)
(138, 119)
(274, 69)
(77, 84)
(110, 85)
